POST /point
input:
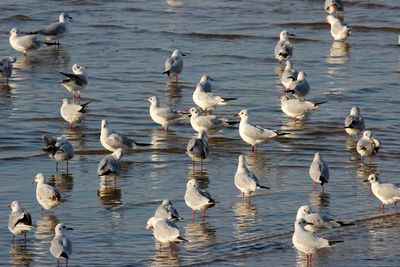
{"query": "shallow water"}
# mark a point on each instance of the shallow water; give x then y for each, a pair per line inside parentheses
(124, 46)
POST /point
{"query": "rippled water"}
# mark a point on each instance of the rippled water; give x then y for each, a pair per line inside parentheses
(124, 46)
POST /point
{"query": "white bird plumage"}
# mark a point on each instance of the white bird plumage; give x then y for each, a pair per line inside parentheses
(174, 64)
(387, 193)
(289, 75)
(110, 166)
(73, 113)
(368, 146)
(165, 116)
(319, 171)
(198, 199)
(48, 196)
(58, 148)
(25, 43)
(354, 123)
(339, 30)
(209, 123)
(165, 231)
(284, 48)
(167, 210)
(77, 80)
(57, 30)
(197, 148)
(300, 87)
(19, 221)
(61, 245)
(333, 6)
(296, 108)
(205, 82)
(207, 101)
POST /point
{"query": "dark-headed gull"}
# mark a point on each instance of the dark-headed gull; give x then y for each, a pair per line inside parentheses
(61, 246)
(284, 48)
(254, 134)
(174, 64)
(197, 148)
(289, 75)
(19, 221)
(110, 167)
(208, 101)
(73, 113)
(77, 80)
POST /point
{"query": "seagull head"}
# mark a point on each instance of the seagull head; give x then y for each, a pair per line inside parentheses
(177, 53)
(193, 111)
(104, 124)
(242, 159)
(355, 111)
(301, 76)
(14, 32)
(39, 179)
(14, 206)
(242, 114)
(206, 78)
(372, 178)
(284, 35)
(302, 211)
(61, 228)
(153, 100)
(78, 69)
(64, 17)
(65, 101)
(301, 223)
(367, 134)
(192, 183)
(317, 156)
(166, 202)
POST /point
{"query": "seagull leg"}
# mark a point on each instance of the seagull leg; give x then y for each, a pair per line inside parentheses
(24, 238)
(253, 148)
(383, 207)
(67, 166)
(249, 199)
(315, 186)
(395, 204)
(243, 197)
(57, 166)
(202, 215)
(322, 188)
(192, 216)
(170, 247)
(160, 247)
(66, 262)
(13, 239)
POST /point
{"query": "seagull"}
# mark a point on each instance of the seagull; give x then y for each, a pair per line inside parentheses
(245, 180)
(308, 242)
(319, 171)
(167, 210)
(109, 166)
(318, 221)
(6, 67)
(387, 193)
(297, 108)
(61, 246)
(57, 30)
(77, 80)
(333, 6)
(25, 43)
(72, 112)
(254, 134)
(289, 75)
(339, 30)
(198, 199)
(165, 116)
(112, 140)
(165, 231)
(209, 123)
(174, 64)
(284, 48)
(354, 123)
(205, 82)
(208, 101)
(19, 221)
(48, 196)
(197, 148)
(58, 148)
(300, 87)
(367, 145)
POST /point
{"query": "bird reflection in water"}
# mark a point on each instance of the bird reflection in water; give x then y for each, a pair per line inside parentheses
(364, 170)
(319, 199)
(19, 255)
(75, 136)
(200, 235)
(109, 196)
(40, 62)
(245, 217)
(339, 53)
(63, 182)
(45, 233)
(201, 175)
(174, 93)
(166, 257)
(351, 145)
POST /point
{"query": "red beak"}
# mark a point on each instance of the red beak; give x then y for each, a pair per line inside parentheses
(236, 115)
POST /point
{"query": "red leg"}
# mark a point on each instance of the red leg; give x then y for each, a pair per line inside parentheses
(170, 247)
(160, 246)
(192, 215)
(249, 199)
(253, 148)
(242, 196)
(395, 204)
(382, 206)
(315, 186)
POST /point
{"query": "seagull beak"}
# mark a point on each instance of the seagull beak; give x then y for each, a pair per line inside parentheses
(291, 34)
(70, 229)
(236, 115)
(366, 181)
(33, 181)
(308, 223)
(184, 55)
(70, 17)
(9, 206)
(211, 79)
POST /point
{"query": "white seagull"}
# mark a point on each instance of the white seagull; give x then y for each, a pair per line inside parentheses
(19, 221)
(174, 64)
(198, 199)
(284, 48)
(110, 166)
(354, 123)
(165, 116)
(296, 108)
(112, 140)
(73, 113)
(368, 146)
(6, 67)
(167, 210)
(197, 148)
(208, 101)
(254, 134)
(308, 242)
(61, 246)
(57, 30)
(387, 193)
(318, 222)
(333, 6)
(77, 80)
(300, 87)
(319, 171)
(58, 148)
(289, 75)
(25, 43)
(246, 181)
(48, 196)
(205, 82)
(209, 123)
(339, 30)
(165, 231)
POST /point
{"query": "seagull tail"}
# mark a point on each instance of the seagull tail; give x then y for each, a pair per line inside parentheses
(263, 186)
(335, 242)
(281, 133)
(142, 144)
(226, 99)
(84, 109)
(344, 223)
(319, 103)
(168, 72)
(184, 240)
(49, 44)
(32, 33)
(323, 180)
(289, 91)
(233, 122)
